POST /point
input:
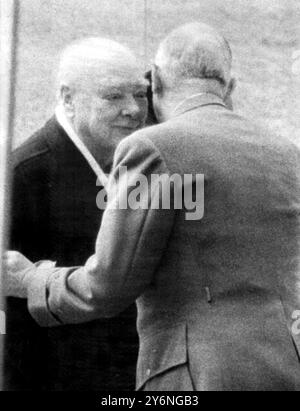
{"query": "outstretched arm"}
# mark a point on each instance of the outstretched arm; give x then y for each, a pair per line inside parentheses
(129, 247)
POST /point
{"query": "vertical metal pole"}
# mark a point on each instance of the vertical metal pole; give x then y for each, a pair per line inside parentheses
(146, 34)
(8, 45)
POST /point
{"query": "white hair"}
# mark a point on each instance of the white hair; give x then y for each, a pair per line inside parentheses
(194, 51)
(82, 55)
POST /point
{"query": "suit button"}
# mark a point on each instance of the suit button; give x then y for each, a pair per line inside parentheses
(148, 372)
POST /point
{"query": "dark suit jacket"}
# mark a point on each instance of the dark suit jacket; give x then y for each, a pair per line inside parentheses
(217, 296)
(54, 215)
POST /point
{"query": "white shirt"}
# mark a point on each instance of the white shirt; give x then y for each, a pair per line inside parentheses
(63, 121)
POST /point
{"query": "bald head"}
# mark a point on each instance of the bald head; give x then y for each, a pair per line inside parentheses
(83, 60)
(194, 51)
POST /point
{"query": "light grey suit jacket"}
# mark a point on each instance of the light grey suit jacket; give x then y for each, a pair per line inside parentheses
(216, 297)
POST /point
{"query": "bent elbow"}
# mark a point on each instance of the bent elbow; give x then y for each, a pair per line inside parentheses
(108, 304)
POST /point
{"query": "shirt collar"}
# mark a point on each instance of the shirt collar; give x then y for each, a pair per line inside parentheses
(64, 123)
(198, 100)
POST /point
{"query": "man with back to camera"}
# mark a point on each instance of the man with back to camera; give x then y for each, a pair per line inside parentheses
(216, 297)
(100, 100)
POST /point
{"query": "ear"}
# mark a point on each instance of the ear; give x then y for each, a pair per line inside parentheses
(231, 87)
(228, 94)
(66, 98)
(157, 84)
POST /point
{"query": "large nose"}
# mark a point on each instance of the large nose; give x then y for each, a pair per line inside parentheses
(131, 107)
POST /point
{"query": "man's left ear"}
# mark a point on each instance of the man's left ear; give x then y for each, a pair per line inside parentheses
(231, 87)
(157, 85)
(67, 100)
(228, 93)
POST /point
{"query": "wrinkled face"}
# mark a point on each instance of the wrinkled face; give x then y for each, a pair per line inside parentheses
(110, 104)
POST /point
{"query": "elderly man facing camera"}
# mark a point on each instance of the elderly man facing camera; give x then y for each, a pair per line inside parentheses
(101, 100)
(216, 296)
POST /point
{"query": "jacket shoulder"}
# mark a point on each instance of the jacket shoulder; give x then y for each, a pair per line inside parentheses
(37, 147)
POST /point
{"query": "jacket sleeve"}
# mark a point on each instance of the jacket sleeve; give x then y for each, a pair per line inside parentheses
(129, 247)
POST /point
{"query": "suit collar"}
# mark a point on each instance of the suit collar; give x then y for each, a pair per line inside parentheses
(56, 137)
(63, 150)
(196, 101)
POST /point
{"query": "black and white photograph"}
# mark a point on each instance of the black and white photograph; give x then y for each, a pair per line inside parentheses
(149, 198)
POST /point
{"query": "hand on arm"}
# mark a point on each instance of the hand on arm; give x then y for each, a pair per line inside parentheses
(16, 268)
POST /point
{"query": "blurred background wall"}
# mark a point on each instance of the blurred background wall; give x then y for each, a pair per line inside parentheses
(264, 34)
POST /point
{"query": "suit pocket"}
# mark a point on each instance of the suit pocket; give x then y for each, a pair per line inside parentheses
(160, 353)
